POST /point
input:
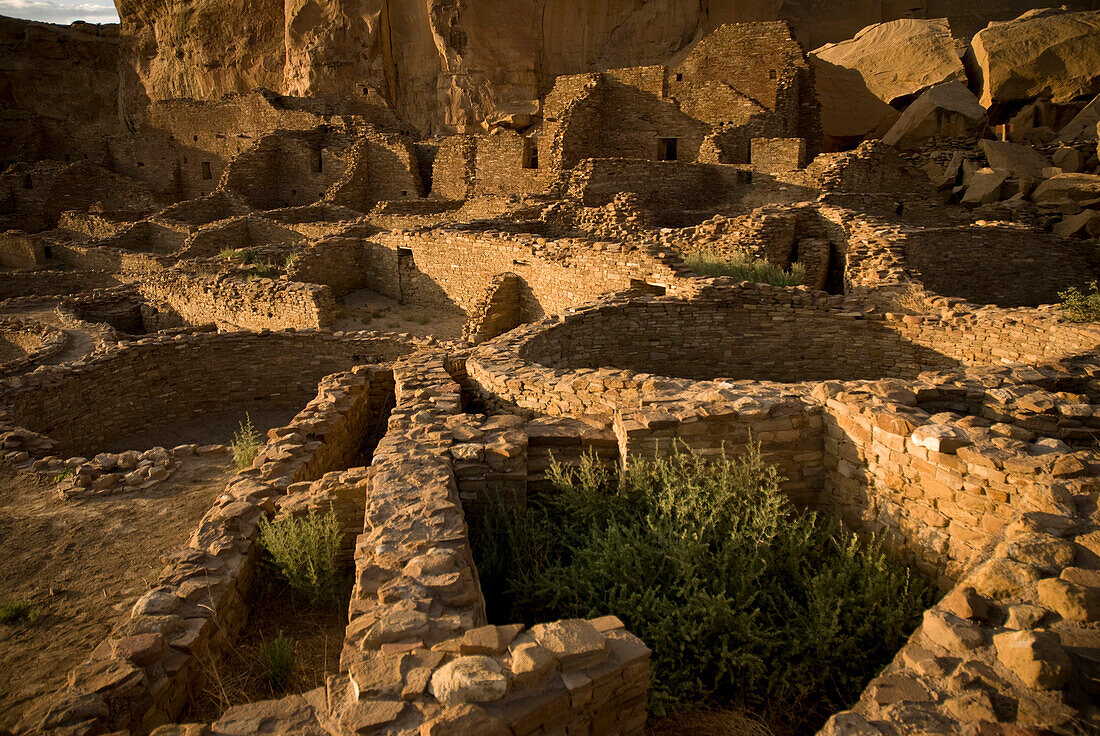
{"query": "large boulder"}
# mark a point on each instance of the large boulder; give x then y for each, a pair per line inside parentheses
(1083, 189)
(946, 110)
(1084, 124)
(857, 79)
(1022, 162)
(899, 58)
(1048, 53)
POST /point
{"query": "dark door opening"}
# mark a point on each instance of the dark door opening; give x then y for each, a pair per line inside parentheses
(206, 173)
(530, 153)
(666, 149)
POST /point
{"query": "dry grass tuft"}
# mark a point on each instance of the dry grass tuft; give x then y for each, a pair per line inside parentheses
(708, 722)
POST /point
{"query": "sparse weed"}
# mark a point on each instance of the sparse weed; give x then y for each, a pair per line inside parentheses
(265, 270)
(305, 552)
(62, 476)
(246, 444)
(18, 613)
(1081, 307)
(741, 266)
(277, 662)
(250, 255)
(910, 301)
(290, 259)
(228, 253)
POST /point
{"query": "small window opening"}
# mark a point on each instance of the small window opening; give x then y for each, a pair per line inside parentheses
(530, 153)
(140, 164)
(68, 158)
(666, 149)
(644, 287)
(206, 173)
(679, 77)
(194, 138)
(365, 90)
(318, 163)
(773, 74)
(404, 192)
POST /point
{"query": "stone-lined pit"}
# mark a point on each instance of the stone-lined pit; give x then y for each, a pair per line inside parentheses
(159, 383)
(747, 334)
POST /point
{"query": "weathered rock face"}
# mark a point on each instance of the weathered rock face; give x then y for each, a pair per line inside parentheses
(899, 58)
(946, 110)
(449, 65)
(857, 79)
(52, 77)
(1044, 53)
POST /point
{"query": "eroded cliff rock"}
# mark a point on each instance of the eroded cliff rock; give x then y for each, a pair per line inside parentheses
(453, 65)
(1049, 53)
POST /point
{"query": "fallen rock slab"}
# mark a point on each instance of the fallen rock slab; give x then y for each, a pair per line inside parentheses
(1049, 53)
(947, 110)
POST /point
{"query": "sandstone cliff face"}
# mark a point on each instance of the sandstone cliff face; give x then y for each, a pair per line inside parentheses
(56, 82)
(456, 65)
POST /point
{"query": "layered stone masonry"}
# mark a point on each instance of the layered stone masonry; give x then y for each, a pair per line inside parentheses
(146, 383)
(139, 677)
(25, 344)
(234, 303)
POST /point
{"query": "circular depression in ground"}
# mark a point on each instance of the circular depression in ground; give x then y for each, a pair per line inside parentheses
(788, 336)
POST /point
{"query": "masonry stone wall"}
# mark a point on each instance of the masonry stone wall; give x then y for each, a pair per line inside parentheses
(455, 167)
(661, 185)
(230, 302)
(1005, 265)
(452, 268)
(153, 382)
(348, 263)
(755, 333)
(19, 250)
(25, 344)
(15, 284)
(771, 155)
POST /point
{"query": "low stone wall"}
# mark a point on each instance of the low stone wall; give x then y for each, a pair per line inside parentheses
(348, 263)
(448, 268)
(157, 381)
(139, 677)
(20, 250)
(41, 284)
(660, 185)
(25, 344)
(232, 303)
(754, 332)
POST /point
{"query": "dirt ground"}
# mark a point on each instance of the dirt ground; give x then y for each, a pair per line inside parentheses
(368, 310)
(317, 630)
(209, 429)
(81, 563)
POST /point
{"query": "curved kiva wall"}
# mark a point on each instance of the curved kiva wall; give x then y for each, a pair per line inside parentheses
(763, 333)
(744, 334)
(154, 382)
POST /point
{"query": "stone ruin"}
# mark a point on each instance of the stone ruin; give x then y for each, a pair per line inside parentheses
(429, 283)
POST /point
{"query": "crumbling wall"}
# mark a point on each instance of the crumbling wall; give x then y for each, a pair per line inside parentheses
(143, 385)
(259, 304)
(450, 268)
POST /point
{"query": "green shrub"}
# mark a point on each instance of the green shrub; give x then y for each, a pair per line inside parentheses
(743, 267)
(250, 255)
(62, 476)
(277, 662)
(228, 253)
(246, 443)
(1080, 307)
(18, 613)
(745, 601)
(289, 260)
(305, 551)
(266, 270)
